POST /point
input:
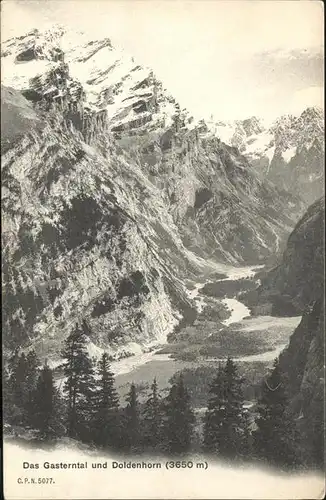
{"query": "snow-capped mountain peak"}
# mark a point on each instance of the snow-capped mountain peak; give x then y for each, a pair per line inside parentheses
(289, 152)
(111, 79)
(114, 195)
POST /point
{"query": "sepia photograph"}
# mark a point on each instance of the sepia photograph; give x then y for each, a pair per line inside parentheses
(162, 172)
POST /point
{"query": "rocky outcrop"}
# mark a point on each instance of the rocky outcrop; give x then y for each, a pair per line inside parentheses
(239, 220)
(303, 358)
(57, 93)
(17, 118)
(296, 287)
(299, 279)
(303, 364)
(308, 398)
(85, 236)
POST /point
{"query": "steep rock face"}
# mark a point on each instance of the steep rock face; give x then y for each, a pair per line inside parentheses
(295, 287)
(303, 358)
(299, 279)
(85, 236)
(17, 116)
(222, 209)
(303, 364)
(215, 198)
(108, 190)
(289, 153)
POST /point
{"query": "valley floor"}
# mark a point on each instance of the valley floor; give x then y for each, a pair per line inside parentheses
(252, 341)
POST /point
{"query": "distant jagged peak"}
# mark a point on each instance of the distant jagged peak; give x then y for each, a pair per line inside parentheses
(41, 44)
(252, 125)
(255, 125)
(313, 112)
(53, 32)
(284, 122)
(50, 35)
(309, 114)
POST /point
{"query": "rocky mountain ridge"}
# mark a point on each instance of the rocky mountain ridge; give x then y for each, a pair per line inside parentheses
(181, 157)
(303, 364)
(298, 280)
(79, 242)
(289, 152)
(112, 196)
(296, 286)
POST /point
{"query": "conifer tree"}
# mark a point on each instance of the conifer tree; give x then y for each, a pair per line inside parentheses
(79, 385)
(32, 372)
(44, 401)
(215, 414)
(312, 429)
(17, 374)
(179, 419)
(6, 396)
(153, 418)
(132, 433)
(46, 406)
(106, 403)
(224, 423)
(32, 366)
(23, 372)
(275, 437)
(235, 412)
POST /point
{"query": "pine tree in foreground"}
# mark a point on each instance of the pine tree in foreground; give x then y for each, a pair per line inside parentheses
(79, 385)
(105, 423)
(32, 373)
(131, 422)
(22, 377)
(7, 410)
(224, 422)
(180, 419)
(46, 405)
(153, 419)
(215, 414)
(275, 437)
(43, 402)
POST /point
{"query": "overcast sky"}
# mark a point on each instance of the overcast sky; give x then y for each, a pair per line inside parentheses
(230, 59)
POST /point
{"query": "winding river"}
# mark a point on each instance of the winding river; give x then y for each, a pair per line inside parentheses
(142, 368)
(237, 309)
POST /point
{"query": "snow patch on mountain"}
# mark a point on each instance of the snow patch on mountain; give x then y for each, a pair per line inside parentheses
(258, 144)
(295, 142)
(289, 153)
